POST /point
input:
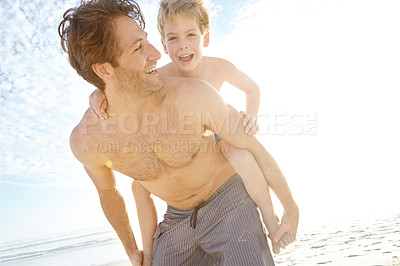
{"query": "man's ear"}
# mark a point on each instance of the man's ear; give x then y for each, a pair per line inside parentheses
(104, 70)
(165, 47)
(206, 39)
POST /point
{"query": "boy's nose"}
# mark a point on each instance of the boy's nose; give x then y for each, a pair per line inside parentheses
(183, 46)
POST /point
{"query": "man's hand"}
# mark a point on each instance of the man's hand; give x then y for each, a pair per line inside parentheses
(137, 258)
(98, 104)
(250, 122)
(288, 229)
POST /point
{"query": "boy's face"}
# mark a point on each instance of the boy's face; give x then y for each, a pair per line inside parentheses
(183, 42)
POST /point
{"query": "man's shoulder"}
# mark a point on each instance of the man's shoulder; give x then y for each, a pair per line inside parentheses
(189, 94)
(81, 129)
(82, 138)
(168, 70)
(187, 88)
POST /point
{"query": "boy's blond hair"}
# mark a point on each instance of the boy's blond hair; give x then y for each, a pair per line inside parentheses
(195, 9)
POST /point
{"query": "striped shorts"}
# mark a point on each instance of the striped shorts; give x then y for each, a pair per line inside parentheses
(223, 230)
(217, 138)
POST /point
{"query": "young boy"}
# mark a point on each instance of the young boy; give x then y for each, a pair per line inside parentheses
(184, 28)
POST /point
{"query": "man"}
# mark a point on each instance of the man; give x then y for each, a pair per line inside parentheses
(160, 136)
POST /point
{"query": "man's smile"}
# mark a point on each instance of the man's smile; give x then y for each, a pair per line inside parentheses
(152, 70)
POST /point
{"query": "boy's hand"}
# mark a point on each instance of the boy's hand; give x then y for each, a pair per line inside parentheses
(98, 104)
(250, 122)
(272, 227)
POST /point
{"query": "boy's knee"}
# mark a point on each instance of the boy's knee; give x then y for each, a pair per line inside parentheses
(137, 188)
(242, 156)
(134, 185)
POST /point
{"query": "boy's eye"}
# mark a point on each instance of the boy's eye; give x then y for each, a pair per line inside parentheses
(171, 38)
(191, 34)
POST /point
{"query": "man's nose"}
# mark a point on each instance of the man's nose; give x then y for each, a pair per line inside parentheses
(154, 53)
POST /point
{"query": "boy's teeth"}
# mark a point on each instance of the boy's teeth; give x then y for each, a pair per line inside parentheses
(186, 55)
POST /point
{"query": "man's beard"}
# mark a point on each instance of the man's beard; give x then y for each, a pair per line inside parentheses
(135, 83)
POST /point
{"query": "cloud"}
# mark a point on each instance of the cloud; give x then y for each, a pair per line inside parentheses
(39, 101)
(41, 96)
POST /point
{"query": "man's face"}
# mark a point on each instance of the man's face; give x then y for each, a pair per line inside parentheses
(137, 64)
(183, 42)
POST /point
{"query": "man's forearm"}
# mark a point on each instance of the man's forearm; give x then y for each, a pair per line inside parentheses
(147, 216)
(114, 208)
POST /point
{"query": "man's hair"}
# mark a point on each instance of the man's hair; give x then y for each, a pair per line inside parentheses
(88, 36)
(195, 9)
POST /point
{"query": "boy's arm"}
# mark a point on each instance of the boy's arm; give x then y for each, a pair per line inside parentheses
(147, 219)
(112, 202)
(240, 80)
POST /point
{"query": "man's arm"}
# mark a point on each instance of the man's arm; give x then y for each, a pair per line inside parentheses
(112, 202)
(147, 219)
(114, 208)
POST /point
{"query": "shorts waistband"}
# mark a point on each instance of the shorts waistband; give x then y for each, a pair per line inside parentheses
(231, 180)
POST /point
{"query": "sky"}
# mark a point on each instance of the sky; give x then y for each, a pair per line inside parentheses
(328, 72)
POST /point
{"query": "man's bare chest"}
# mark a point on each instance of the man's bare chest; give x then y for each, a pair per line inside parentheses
(154, 148)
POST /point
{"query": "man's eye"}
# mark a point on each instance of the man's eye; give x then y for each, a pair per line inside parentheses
(137, 49)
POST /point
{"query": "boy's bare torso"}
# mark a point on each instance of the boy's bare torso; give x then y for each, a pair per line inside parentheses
(173, 157)
(211, 71)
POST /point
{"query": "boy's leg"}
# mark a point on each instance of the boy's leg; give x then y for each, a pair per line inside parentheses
(229, 228)
(255, 183)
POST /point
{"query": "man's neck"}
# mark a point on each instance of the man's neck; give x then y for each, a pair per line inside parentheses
(127, 102)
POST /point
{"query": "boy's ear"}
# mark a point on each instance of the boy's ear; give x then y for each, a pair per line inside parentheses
(206, 39)
(103, 70)
(165, 47)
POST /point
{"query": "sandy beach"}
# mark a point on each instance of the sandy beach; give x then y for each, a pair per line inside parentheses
(375, 242)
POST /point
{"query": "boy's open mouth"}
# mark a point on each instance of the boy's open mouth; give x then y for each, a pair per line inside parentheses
(186, 57)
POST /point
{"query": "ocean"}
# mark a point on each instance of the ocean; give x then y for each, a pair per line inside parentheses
(367, 243)
(86, 247)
